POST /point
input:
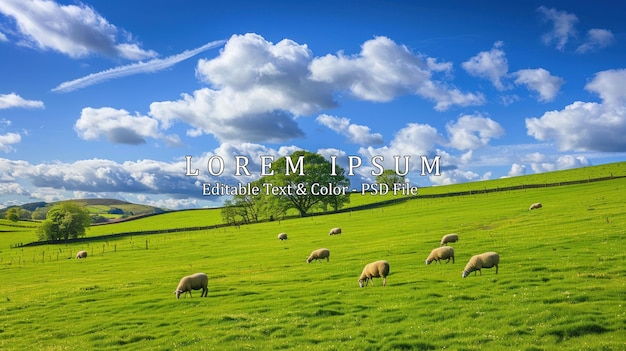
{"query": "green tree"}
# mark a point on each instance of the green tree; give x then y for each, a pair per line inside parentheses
(312, 171)
(250, 208)
(389, 177)
(316, 170)
(241, 209)
(13, 214)
(25, 214)
(64, 221)
(39, 213)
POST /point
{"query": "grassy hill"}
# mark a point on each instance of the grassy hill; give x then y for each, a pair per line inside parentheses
(112, 209)
(561, 282)
(210, 217)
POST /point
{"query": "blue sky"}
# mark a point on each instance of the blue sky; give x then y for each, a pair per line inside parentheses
(106, 98)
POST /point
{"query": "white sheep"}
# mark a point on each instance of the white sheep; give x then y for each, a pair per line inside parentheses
(193, 282)
(81, 254)
(441, 253)
(319, 254)
(378, 269)
(535, 206)
(282, 236)
(335, 231)
(449, 238)
(484, 260)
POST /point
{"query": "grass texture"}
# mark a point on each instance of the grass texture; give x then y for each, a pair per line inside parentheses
(561, 282)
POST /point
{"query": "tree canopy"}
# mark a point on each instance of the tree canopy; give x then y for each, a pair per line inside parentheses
(64, 221)
(316, 171)
(305, 171)
(13, 214)
(390, 177)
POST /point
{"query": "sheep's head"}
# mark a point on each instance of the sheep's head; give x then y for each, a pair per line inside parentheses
(178, 292)
(465, 274)
(363, 282)
(428, 262)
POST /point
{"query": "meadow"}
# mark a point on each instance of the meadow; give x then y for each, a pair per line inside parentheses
(561, 282)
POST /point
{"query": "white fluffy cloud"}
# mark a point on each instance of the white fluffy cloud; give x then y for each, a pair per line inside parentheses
(117, 126)
(454, 176)
(102, 176)
(472, 132)
(541, 81)
(358, 134)
(588, 125)
(384, 70)
(13, 100)
(414, 140)
(491, 65)
(257, 89)
(8, 140)
(562, 162)
(74, 30)
(517, 170)
(159, 183)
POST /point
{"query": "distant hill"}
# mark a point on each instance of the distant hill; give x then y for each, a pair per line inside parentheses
(102, 210)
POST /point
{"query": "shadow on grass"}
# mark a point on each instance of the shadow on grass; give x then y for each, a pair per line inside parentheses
(572, 331)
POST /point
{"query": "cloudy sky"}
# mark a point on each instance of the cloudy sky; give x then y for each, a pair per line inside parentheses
(106, 98)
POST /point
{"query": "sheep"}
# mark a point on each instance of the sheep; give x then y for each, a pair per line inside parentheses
(441, 253)
(282, 236)
(378, 269)
(81, 254)
(484, 260)
(535, 206)
(449, 238)
(335, 231)
(193, 282)
(319, 254)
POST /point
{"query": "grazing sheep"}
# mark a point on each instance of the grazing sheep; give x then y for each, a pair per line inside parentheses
(193, 282)
(319, 254)
(335, 231)
(378, 269)
(535, 206)
(81, 254)
(449, 238)
(477, 262)
(441, 253)
(282, 236)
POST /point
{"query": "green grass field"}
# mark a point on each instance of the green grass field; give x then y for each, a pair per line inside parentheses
(561, 282)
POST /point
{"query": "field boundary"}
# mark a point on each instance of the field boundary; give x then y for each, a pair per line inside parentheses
(344, 210)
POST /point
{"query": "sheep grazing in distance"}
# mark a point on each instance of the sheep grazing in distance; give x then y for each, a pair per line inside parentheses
(335, 231)
(319, 254)
(282, 236)
(81, 254)
(441, 253)
(378, 269)
(484, 260)
(449, 238)
(534, 206)
(193, 282)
